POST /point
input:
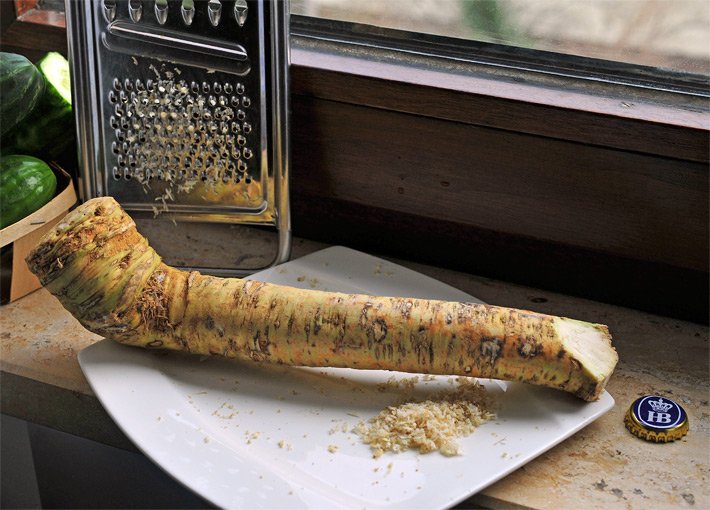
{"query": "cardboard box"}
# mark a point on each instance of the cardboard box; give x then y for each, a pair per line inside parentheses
(26, 233)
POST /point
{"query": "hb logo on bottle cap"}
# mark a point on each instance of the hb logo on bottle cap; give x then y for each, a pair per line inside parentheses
(656, 419)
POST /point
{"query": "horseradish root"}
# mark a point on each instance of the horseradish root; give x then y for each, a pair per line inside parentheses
(105, 273)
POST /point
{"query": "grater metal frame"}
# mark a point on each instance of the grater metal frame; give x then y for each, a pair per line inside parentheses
(89, 40)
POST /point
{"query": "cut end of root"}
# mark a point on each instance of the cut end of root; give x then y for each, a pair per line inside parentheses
(590, 345)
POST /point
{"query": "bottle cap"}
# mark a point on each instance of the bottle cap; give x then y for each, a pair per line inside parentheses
(658, 419)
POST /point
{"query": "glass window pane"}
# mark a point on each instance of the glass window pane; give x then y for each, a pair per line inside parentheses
(671, 34)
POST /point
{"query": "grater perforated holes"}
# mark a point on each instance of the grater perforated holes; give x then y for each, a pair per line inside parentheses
(135, 10)
(109, 10)
(180, 132)
(161, 11)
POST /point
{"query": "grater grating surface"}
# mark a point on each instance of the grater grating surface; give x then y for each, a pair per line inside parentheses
(186, 142)
(182, 108)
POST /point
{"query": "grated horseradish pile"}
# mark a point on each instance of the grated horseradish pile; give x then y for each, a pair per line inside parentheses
(429, 425)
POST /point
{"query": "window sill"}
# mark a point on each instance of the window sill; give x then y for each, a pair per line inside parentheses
(623, 117)
(43, 383)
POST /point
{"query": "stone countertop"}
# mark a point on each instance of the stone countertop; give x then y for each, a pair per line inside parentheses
(601, 466)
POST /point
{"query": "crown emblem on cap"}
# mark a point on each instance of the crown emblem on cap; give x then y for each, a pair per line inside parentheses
(659, 405)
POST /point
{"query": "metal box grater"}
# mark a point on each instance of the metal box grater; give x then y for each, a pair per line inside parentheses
(182, 113)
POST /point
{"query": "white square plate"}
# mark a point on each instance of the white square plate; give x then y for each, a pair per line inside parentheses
(252, 436)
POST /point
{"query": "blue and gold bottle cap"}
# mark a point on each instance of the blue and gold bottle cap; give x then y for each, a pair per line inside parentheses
(658, 419)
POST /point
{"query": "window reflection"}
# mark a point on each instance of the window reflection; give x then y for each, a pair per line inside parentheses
(671, 34)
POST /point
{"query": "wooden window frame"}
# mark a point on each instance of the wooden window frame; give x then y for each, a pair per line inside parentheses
(362, 177)
(26, 27)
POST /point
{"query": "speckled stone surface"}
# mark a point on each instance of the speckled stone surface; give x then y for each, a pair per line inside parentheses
(602, 466)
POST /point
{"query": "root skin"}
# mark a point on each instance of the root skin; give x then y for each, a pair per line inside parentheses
(105, 273)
